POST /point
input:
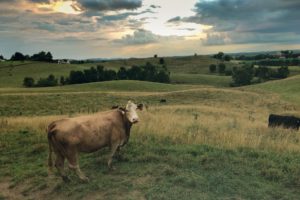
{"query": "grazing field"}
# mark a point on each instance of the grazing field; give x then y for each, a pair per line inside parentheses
(205, 142)
(288, 89)
(201, 79)
(13, 73)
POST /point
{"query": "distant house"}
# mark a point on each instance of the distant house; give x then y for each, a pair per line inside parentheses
(63, 61)
(1, 60)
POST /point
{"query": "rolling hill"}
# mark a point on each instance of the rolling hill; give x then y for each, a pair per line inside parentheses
(206, 142)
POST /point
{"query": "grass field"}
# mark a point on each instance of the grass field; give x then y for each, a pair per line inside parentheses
(205, 142)
(288, 89)
(201, 79)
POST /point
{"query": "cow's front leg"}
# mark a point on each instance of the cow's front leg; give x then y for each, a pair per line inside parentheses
(114, 149)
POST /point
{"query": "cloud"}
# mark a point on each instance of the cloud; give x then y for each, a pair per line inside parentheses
(40, 1)
(138, 37)
(175, 19)
(122, 16)
(248, 21)
(110, 5)
(142, 36)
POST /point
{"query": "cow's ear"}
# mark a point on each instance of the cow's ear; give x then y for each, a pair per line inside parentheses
(140, 106)
(122, 110)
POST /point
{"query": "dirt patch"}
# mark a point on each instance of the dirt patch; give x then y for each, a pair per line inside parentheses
(7, 192)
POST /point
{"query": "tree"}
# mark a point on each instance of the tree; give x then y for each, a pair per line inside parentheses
(149, 72)
(134, 73)
(100, 73)
(263, 73)
(17, 57)
(219, 56)
(47, 82)
(163, 77)
(62, 80)
(242, 75)
(221, 68)
(122, 73)
(212, 68)
(155, 56)
(1, 57)
(90, 75)
(42, 56)
(161, 61)
(28, 82)
(110, 75)
(283, 72)
(227, 57)
(48, 57)
(77, 77)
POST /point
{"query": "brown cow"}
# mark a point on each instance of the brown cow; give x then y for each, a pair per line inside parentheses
(67, 137)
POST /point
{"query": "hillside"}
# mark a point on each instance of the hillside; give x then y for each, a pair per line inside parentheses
(13, 73)
(288, 89)
(205, 142)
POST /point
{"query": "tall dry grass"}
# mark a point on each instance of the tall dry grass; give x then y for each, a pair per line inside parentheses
(191, 124)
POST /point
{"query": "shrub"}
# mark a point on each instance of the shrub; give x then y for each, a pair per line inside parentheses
(212, 68)
(221, 68)
(47, 82)
(242, 75)
(283, 72)
(28, 82)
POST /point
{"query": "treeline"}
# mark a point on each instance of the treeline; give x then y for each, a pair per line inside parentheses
(245, 75)
(41, 56)
(278, 62)
(287, 54)
(147, 72)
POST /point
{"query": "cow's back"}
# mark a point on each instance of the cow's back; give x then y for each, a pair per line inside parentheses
(88, 133)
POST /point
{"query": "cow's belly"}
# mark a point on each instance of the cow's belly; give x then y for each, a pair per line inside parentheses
(93, 144)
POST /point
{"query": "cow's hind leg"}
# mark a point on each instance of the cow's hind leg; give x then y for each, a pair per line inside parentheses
(73, 165)
(60, 166)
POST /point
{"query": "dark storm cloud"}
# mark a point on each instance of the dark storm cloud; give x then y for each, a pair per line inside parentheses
(255, 18)
(107, 5)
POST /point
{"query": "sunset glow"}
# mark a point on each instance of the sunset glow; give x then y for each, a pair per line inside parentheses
(129, 28)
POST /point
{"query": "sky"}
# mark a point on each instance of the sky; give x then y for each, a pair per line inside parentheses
(80, 29)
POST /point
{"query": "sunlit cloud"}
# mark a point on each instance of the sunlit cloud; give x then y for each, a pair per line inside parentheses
(138, 28)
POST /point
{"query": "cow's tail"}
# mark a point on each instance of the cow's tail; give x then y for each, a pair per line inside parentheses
(54, 144)
(50, 160)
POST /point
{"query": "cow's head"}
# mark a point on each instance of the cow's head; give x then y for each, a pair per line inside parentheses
(130, 111)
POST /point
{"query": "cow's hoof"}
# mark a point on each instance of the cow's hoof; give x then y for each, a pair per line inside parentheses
(66, 179)
(112, 168)
(85, 179)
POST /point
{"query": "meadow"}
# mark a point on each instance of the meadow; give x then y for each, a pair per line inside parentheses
(207, 141)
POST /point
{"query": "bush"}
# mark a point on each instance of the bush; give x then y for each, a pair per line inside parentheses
(283, 72)
(50, 81)
(221, 68)
(263, 73)
(28, 82)
(228, 73)
(242, 75)
(212, 68)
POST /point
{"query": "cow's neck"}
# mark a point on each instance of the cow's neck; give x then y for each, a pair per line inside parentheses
(127, 125)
